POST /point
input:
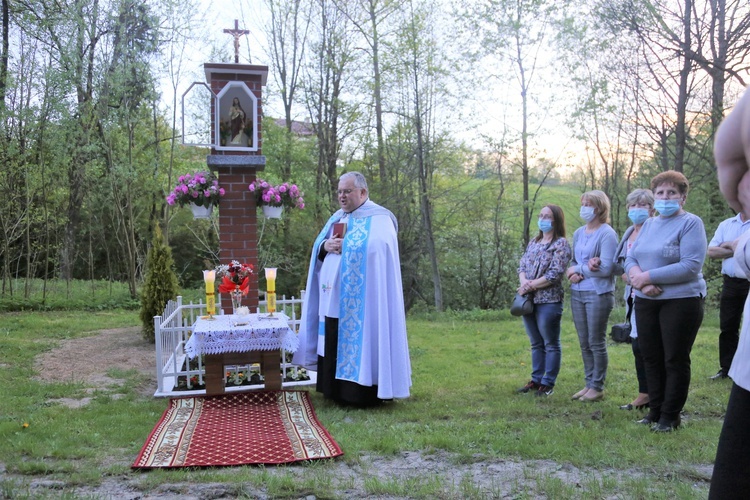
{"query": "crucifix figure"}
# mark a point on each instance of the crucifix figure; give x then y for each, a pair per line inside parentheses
(236, 33)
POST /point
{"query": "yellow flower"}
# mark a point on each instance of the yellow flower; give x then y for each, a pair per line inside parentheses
(25, 425)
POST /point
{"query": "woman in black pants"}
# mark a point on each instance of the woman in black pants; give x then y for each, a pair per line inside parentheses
(665, 268)
(640, 205)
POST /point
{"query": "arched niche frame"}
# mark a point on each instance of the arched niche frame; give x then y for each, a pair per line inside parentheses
(196, 122)
(236, 118)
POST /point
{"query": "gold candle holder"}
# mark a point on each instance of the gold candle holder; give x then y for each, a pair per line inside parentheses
(270, 291)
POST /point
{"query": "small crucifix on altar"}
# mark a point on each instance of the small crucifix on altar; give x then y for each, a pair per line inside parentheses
(236, 33)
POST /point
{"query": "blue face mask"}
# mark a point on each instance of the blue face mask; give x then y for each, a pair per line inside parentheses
(667, 207)
(587, 213)
(638, 215)
(545, 225)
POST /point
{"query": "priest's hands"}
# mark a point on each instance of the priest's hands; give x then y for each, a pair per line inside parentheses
(333, 245)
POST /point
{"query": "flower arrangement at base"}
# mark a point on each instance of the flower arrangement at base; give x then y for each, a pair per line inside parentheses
(236, 378)
(200, 188)
(283, 195)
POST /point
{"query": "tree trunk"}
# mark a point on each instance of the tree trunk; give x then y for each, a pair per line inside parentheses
(682, 97)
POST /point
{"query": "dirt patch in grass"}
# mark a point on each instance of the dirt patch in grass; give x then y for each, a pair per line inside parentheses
(87, 360)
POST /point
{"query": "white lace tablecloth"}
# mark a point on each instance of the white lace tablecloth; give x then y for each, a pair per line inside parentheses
(225, 334)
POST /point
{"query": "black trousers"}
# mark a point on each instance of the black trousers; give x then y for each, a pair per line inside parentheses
(733, 294)
(731, 477)
(666, 333)
(341, 391)
(640, 367)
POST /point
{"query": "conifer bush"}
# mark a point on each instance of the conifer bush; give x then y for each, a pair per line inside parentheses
(161, 283)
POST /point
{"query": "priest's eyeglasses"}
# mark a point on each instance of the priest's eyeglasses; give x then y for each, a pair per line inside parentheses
(344, 191)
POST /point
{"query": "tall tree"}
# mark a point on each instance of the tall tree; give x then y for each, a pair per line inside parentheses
(369, 17)
(512, 35)
(287, 33)
(327, 73)
(4, 50)
(418, 50)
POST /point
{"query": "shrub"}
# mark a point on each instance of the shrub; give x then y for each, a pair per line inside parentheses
(161, 283)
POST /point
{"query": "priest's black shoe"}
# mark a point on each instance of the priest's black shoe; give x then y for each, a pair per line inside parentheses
(720, 375)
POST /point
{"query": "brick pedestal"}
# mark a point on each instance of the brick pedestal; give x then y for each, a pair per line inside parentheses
(238, 226)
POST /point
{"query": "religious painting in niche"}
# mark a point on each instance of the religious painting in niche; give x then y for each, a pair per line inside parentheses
(237, 112)
(237, 123)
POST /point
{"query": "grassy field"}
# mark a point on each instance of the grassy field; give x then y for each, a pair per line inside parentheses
(465, 369)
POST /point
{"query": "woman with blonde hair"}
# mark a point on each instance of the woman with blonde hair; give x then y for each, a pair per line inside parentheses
(592, 290)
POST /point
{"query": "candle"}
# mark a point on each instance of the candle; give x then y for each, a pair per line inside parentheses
(271, 290)
(271, 279)
(210, 277)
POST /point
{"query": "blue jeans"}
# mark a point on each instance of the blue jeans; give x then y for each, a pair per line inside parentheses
(543, 329)
(590, 315)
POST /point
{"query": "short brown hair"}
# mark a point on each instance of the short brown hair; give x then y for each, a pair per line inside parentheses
(671, 177)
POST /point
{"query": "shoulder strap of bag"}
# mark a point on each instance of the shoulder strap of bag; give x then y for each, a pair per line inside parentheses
(630, 306)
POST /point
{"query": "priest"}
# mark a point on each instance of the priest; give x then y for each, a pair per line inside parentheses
(353, 328)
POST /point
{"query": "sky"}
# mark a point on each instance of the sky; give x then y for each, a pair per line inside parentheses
(486, 111)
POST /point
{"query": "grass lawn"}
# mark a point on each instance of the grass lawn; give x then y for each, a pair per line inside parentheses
(465, 370)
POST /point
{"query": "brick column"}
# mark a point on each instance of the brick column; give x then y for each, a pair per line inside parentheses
(238, 225)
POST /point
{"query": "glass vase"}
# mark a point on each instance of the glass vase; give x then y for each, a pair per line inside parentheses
(236, 299)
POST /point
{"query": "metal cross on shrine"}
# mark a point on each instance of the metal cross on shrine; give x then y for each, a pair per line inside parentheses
(237, 33)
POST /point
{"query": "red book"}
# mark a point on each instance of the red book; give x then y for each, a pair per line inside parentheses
(339, 229)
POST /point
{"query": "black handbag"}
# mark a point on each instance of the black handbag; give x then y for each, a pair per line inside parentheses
(621, 331)
(522, 305)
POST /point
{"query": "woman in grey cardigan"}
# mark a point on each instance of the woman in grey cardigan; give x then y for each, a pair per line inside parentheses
(664, 266)
(640, 205)
(592, 290)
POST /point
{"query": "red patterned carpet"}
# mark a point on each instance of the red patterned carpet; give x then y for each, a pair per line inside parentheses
(260, 427)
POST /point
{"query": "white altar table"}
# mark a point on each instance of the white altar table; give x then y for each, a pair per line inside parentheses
(229, 339)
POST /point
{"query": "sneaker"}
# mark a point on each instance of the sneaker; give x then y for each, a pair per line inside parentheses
(530, 386)
(545, 390)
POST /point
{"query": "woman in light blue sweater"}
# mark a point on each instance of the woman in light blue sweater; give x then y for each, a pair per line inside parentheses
(592, 290)
(664, 266)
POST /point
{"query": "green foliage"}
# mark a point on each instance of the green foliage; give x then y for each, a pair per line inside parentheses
(59, 295)
(286, 243)
(161, 283)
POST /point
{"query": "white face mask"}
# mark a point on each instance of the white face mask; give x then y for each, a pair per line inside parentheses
(587, 213)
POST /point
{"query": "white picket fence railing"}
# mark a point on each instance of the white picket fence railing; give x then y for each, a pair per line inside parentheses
(173, 329)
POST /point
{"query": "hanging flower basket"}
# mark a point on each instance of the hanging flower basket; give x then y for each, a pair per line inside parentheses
(273, 199)
(200, 191)
(201, 212)
(272, 212)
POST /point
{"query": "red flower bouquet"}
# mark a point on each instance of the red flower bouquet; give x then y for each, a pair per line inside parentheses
(234, 276)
